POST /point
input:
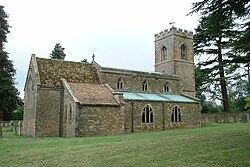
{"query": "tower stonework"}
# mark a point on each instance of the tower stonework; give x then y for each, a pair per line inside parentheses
(174, 55)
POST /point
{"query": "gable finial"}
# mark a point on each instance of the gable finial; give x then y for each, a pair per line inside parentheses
(93, 57)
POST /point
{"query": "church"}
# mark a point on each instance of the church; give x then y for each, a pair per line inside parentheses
(78, 99)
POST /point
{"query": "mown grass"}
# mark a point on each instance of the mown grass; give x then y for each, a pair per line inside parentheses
(213, 145)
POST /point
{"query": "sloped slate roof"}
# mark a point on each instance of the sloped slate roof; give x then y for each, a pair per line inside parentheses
(166, 97)
(139, 72)
(51, 72)
(92, 94)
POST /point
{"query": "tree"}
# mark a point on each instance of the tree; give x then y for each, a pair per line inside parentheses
(9, 99)
(18, 113)
(57, 52)
(215, 34)
(247, 102)
(4, 29)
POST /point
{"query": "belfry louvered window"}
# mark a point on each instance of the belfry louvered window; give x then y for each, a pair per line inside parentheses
(163, 53)
(183, 52)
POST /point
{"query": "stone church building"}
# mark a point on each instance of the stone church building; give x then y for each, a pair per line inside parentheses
(71, 99)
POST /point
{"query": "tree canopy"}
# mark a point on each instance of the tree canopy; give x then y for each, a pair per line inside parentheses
(58, 52)
(220, 36)
(4, 26)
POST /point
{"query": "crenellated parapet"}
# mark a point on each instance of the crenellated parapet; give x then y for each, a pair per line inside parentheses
(174, 31)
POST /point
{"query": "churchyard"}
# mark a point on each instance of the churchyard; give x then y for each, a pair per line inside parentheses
(210, 145)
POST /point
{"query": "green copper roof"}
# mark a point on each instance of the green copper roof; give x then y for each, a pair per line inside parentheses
(166, 97)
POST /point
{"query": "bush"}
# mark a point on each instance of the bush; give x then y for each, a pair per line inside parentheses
(17, 114)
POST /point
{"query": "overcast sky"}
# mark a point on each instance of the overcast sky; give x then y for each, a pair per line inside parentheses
(119, 32)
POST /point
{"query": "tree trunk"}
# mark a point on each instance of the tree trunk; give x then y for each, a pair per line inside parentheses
(223, 80)
(248, 73)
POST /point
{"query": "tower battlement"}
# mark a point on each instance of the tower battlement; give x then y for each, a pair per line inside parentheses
(174, 31)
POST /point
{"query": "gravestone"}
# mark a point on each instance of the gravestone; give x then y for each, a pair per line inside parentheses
(19, 128)
(1, 133)
(15, 129)
(11, 126)
(244, 118)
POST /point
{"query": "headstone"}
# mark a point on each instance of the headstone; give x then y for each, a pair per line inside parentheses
(11, 126)
(244, 118)
(1, 132)
(15, 129)
(216, 119)
(231, 119)
(19, 128)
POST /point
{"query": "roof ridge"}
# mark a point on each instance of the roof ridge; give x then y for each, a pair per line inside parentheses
(63, 60)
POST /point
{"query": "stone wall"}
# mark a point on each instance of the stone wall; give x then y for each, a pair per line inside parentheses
(134, 81)
(16, 126)
(30, 99)
(99, 120)
(162, 116)
(48, 112)
(225, 117)
(70, 114)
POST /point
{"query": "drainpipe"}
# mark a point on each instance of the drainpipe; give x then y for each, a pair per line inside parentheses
(163, 117)
(132, 117)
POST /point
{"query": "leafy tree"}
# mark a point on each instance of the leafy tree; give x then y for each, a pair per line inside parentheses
(247, 102)
(215, 34)
(18, 113)
(9, 99)
(57, 52)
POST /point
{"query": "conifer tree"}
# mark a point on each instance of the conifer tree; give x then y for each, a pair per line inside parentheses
(9, 99)
(57, 52)
(215, 36)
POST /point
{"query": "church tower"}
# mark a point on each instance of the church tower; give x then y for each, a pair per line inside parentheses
(174, 55)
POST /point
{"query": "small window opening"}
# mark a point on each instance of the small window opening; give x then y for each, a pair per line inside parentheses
(144, 86)
(70, 112)
(119, 84)
(163, 53)
(183, 52)
(166, 88)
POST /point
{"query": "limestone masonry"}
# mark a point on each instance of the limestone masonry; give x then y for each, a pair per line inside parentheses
(71, 99)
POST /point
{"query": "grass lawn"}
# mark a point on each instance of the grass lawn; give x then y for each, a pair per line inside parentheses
(213, 145)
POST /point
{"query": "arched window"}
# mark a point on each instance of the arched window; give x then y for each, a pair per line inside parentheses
(147, 115)
(176, 114)
(163, 53)
(145, 86)
(183, 52)
(166, 88)
(119, 84)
